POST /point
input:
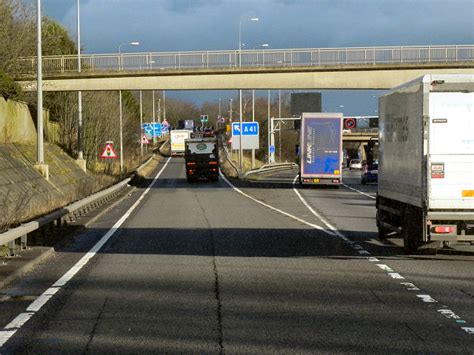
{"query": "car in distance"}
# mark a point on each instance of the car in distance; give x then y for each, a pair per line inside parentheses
(355, 164)
(370, 173)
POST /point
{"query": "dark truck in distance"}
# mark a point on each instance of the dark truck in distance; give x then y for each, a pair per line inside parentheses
(201, 159)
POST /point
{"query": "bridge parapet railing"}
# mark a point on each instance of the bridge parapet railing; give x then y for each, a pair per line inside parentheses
(251, 58)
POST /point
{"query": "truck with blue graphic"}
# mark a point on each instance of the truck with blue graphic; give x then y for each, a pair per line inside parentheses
(321, 149)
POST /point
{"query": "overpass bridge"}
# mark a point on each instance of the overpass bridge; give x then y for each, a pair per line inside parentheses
(304, 68)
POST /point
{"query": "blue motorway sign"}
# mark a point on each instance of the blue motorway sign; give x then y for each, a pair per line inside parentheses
(248, 128)
(152, 129)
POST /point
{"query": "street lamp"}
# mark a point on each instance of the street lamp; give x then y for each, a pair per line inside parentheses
(120, 51)
(120, 103)
(240, 37)
(240, 93)
(39, 89)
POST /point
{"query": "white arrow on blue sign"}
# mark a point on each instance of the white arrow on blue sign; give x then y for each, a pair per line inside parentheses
(249, 138)
(248, 129)
(152, 129)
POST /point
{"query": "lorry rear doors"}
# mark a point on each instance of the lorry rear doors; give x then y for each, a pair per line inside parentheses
(451, 150)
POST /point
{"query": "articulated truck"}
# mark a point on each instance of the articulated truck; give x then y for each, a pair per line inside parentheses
(320, 149)
(426, 161)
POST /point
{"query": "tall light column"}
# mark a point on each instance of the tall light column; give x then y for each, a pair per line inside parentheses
(40, 165)
(135, 43)
(164, 105)
(120, 102)
(80, 130)
(240, 94)
(39, 115)
(121, 131)
(141, 123)
(154, 115)
(279, 122)
(253, 120)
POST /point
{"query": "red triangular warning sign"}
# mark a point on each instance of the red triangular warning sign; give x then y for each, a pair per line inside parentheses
(109, 152)
(145, 140)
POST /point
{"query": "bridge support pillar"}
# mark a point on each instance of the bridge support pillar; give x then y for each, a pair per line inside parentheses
(82, 164)
(43, 170)
(362, 150)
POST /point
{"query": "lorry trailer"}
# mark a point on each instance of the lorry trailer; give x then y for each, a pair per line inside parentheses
(426, 161)
(320, 149)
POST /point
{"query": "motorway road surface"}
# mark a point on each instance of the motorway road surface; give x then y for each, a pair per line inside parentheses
(207, 268)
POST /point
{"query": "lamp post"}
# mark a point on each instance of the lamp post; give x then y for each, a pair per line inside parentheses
(253, 107)
(240, 94)
(40, 165)
(135, 43)
(80, 130)
(141, 123)
(120, 104)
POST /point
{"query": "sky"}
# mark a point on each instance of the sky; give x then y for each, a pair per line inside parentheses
(188, 25)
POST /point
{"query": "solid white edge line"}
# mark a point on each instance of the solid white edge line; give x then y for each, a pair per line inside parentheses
(37, 304)
(315, 226)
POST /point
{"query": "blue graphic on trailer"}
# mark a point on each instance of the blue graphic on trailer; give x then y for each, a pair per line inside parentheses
(152, 129)
(321, 146)
(248, 128)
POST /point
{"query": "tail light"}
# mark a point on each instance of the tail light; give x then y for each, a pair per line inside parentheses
(191, 163)
(212, 163)
(443, 229)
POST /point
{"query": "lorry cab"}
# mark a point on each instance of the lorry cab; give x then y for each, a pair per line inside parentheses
(201, 159)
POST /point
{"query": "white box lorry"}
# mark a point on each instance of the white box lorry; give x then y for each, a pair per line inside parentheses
(177, 137)
(426, 160)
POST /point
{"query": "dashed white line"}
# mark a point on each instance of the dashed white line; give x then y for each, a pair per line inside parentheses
(315, 226)
(36, 305)
(358, 191)
(390, 272)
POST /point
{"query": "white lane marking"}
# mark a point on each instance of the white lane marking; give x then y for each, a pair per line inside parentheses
(358, 191)
(5, 335)
(449, 314)
(390, 272)
(38, 303)
(395, 275)
(409, 286)
(34, 307)
(427, 298)
(385, 267)
(18, 322)
(316, 214)
(315, 226)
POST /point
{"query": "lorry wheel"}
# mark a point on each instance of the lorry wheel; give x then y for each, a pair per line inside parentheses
(412, 229)
(382, 230)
